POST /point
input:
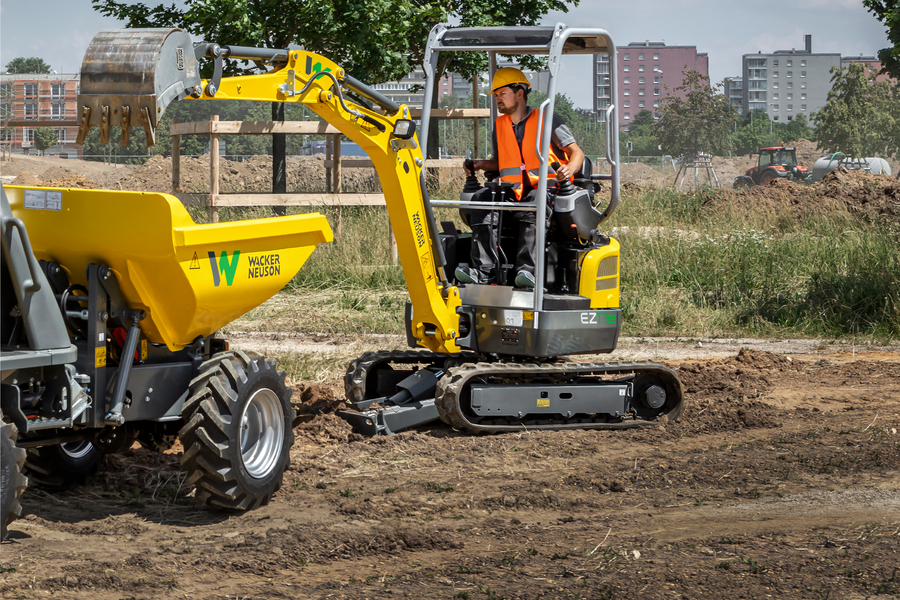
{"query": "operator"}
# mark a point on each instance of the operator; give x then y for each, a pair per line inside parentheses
(514, 156)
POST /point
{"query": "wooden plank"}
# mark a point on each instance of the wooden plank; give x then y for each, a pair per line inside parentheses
(253, 128)
(352, 163)
(291, 199)
(193, 199)
(454, 113)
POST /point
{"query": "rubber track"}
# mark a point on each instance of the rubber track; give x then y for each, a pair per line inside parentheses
(359, 369)
(213, 394)
(449, 389)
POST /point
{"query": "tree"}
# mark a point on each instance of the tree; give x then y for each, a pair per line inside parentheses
(641, 134)
(45, 137)
(756, 131)
(888, 12)
(700, 121)
(798, 129)
(858, 117)
(27, 65)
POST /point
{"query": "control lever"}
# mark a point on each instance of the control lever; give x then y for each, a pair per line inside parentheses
(564, 187)
(472, 184)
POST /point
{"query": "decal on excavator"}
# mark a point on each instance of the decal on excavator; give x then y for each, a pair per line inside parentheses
(224, 266)
(264, 266)
(598, 318)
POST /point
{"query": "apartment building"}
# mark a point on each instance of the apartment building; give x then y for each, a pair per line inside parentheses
(871, 65)
(787, 83)
(733, 89)
(645, 70)
(411, 89)
(28, 101)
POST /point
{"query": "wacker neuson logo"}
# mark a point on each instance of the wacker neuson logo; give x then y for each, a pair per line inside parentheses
(224, 267)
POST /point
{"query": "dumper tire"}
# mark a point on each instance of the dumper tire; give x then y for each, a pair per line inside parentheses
(237, 435)
(62, 466)
(12, 481)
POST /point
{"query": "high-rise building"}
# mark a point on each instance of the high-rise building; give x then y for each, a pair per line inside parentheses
(647, 72)
(733, 88)
(871, 65)
(787, 83)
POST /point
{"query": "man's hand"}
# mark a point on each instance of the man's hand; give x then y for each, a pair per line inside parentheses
(480, 165)
(563, 172)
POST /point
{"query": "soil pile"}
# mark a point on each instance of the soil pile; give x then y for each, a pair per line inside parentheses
(864, 195)
(27, 179)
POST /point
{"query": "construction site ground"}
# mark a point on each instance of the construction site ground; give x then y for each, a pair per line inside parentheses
(781, 479)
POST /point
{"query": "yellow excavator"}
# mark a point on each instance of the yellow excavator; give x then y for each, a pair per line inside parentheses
(487, 358)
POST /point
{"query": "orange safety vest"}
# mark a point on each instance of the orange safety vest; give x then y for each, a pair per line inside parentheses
(513, 161)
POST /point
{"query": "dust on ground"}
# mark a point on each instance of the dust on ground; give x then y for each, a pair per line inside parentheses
(780, 479)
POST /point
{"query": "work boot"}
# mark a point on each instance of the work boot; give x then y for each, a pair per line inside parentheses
(524, 279)
(471, 275)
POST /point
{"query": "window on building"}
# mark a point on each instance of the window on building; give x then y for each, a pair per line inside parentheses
(655, 115)
(656, 80)
(802, 73)
(6, 134)
(61, 135)
(790, 73)
(626, 56)
(775, 118)
(28, 134)
(626, 68)
(790, 107)
(790, 96)
(774, 85)
(790, 63)
(640, 80)
(31, 90)
(802, 107)
(627, 104)
(790, 85)
(641, 104)
(640, 91)
(641, 56)
(656, 56)
(774, 62)
(656, 104)
(803, 96)
(641, 68)
(774, 74)
(57, 89)
(774, 96)
(627, 92)
(626, 80)
(775, 107)
(58, 111)
(627, 116)
(802, 85)
(31, 111)
(802, 63)
(656, 91)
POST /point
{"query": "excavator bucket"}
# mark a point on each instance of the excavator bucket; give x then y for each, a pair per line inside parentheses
(129, 76)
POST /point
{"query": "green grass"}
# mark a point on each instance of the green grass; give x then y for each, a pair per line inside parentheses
(703, 269)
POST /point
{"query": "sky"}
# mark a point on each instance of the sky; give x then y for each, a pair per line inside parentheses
(59, 31)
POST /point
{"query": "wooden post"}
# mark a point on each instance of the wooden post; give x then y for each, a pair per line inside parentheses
(327, 158)
(213, 169)
(475, 121)
(336, 178)
(176, 161)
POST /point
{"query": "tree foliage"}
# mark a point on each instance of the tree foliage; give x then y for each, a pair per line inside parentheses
(27, 65)
(859, 117)
(45, 137)
(695, 118)
(642, 135)
(888, 12)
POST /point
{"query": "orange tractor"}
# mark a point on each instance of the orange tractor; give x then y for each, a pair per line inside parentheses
(776, 162)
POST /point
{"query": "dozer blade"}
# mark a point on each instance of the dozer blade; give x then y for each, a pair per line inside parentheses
(130, 76)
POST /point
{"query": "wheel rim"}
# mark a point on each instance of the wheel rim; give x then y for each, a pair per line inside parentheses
(76, 450)
(262, 432)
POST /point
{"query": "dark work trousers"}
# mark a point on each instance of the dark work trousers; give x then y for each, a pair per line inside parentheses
(484, 232)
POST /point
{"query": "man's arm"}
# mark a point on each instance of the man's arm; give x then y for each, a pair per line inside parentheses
(575, 156)
(490, 164)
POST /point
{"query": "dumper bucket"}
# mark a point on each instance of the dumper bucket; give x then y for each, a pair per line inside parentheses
(191, 279)
(129, 76)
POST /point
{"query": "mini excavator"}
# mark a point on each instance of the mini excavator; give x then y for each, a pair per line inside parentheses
(486, 358)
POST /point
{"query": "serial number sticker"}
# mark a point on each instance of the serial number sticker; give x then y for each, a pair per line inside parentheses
(36, 199)
(100, 356)
(512, 318)
(543, 402)
(54, 200)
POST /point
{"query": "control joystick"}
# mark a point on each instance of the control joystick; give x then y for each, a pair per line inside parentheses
(472, 184)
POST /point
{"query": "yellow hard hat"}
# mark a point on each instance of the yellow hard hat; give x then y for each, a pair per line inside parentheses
(508, 76)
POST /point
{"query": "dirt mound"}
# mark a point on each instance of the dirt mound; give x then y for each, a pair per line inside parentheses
(27, 179)
(73, 181)
(304, 174)
(644, 176)
(866, 196)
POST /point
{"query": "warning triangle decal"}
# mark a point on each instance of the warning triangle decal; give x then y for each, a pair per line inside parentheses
(195, 262)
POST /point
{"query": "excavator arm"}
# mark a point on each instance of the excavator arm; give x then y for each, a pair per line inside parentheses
(130, 76)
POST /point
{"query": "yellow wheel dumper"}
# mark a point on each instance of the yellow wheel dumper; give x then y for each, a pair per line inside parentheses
(141, 290)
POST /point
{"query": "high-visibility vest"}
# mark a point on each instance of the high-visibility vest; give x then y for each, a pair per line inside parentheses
(513, 161)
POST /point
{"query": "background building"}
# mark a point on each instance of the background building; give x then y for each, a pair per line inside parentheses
(871, 64)
(733, 88)
(788, 82)
(411, 89)
(645, 69)
(47, 101)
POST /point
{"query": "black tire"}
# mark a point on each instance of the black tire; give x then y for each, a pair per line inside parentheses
(237, 434)
(64, 465)
(158, 437)
(768, 176)
(12, 481)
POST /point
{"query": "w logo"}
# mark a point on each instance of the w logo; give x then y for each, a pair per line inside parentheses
(224, 267)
